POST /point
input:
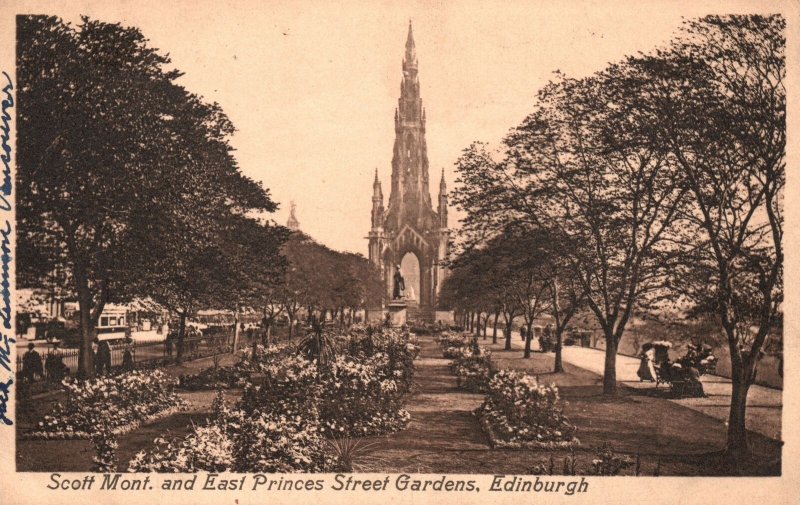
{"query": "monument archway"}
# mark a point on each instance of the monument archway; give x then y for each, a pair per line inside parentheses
(410, 233)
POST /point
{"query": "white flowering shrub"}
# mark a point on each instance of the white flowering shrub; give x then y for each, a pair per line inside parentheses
(272, 443)
(105, 450)
(215, 378)
(119, 403)
(280, 424)
(519, 411)
(262, 440)
(364, 385)
(472, 366)
(290, 387)
(361, 397)
(450, 344)
(206, 448)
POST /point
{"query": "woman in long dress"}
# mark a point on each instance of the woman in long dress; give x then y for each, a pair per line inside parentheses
(647, 371)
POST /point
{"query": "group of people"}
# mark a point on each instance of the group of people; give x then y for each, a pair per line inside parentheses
(545, 339)
(55, 370)
(54, 365)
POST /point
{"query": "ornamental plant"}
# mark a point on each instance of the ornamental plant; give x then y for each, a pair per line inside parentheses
(520, 411)
(118, 403)
(361, 397)
(233, 440)
(607, 462)
(206, 448)
(214, 378)
(472, 366)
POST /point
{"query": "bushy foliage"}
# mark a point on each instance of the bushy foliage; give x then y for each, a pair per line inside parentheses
(233, 440)
(472, 365)
(362, 397)
(214, 378)
(206, 448)
(119, 403)
(289, 387)
(520, 411)
(607, 462)
(280, 424)
(105, 450)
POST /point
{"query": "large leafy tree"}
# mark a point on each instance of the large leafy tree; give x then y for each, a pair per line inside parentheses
(719, 98)
(119, 166)
(585, 169)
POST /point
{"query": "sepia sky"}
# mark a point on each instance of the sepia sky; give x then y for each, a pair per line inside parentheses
(312, 86)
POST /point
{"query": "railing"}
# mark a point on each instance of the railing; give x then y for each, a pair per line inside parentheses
(142, 355)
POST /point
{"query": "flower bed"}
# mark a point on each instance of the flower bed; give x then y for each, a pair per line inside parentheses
(235, 440)
(362, 397)
(472, 366)
(519, 412)
(122, 403)
(450, 344)
(280, 424)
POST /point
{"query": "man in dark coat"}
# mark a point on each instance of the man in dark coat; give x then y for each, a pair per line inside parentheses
(103, 357)
(31, 364)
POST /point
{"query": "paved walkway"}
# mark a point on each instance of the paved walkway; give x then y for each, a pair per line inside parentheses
(442, 435)
(764, 405)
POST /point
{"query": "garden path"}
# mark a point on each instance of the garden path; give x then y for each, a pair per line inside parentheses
(442, 435)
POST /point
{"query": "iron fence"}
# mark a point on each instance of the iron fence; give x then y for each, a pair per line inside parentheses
(141, 355)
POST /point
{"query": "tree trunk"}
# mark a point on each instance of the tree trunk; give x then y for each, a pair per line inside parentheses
(610, 368)
(528, 339)
(485, 325)
(235, 330)
(558, 367)
(291, 324)
(494, 330)
(86, 356)
(509, 322)
(477, 327)
(181, 333)
(736, 447)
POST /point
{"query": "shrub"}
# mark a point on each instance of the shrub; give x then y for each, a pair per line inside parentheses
(279, 424)
(520, 412)
(361, 397)
(289, 388)
(215, 378)
(472, 365)
(206, 448)
(447, 340)
(607, 462)
(272, 443)
(119, 403)
(261, 440)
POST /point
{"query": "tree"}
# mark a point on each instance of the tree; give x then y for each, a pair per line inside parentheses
(567, 297)
(119, 167)
(719, 95)
(581, 165)
(253, 248)
(522, 254)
